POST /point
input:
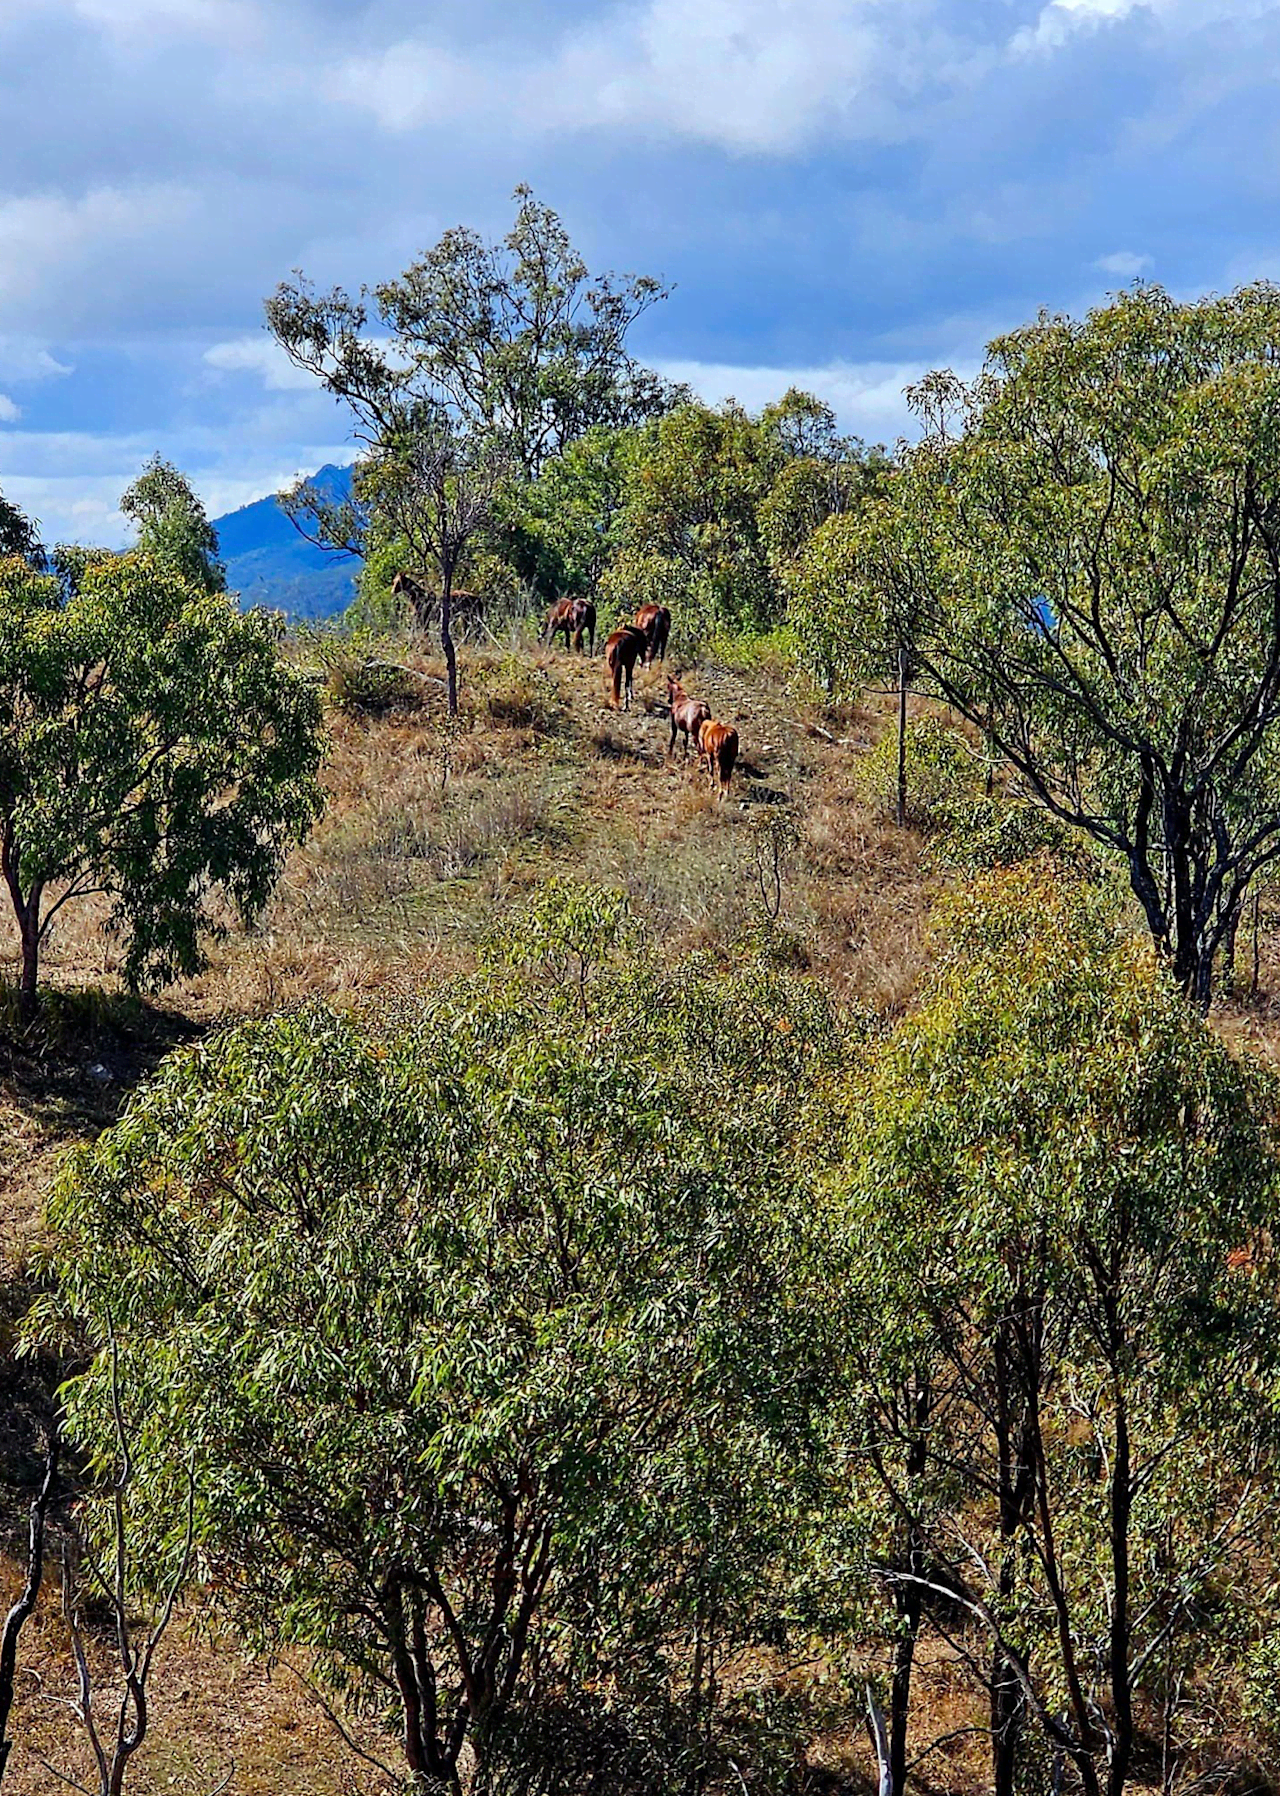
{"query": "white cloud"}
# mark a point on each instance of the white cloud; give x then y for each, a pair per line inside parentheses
(748, 75)
(261, 356)
(72, 480)
(9, 412)
(52, 241)
(1062, 20)
(22, 359)
(1125, 264)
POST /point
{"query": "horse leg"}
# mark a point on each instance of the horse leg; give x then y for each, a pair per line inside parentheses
(671, 746)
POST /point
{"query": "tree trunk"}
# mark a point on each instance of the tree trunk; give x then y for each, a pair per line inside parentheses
(1229, 935)
(902, 737)
(28, 990)
(909, 1602)
(446, 636)
(26, 910)
(879, 1739)
(21, 1610)
(909, 1607)
(1121, 1688)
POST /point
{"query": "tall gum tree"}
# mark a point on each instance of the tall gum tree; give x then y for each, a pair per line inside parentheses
(477, 364)
(1085, 548)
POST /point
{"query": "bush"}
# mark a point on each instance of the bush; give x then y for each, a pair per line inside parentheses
(360, 686)
(483, 1281)
(1001, 832)
(941, 777)
(522, 697)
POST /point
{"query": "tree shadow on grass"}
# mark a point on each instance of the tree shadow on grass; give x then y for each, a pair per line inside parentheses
(73, 1069)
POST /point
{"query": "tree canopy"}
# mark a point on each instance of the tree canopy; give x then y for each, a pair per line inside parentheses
(1084, 551)
(466, 1329)
(1059, 1190)
(155, 749)
(18, 535)
(172, 525)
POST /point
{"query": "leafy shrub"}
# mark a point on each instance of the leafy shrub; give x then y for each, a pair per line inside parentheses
(360, 686)
(1001, 832)
(941, 778)
(522, 697)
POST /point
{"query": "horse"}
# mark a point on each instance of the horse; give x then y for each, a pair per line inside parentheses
(575, 617)
(718, 745)
(655, 621)
(465, 608)
(621, 652)
(687, 714)
(584, 618)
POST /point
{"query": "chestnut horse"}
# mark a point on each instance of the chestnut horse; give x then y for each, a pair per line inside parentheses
(574, 617)
(655, 621)
(621, 652)
(718, 745)
(687, 714)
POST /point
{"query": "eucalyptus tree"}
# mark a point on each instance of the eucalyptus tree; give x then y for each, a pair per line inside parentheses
(1059, 1194)
(18, 535)
(520, 339)
(561, 531)
(1089, 535)
(475, 1332)
(690, 530)
(154, 750)
(476, 365)
(851, 630)
(172, 524)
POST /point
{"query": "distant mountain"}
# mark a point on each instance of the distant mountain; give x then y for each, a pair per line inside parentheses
(269, 563)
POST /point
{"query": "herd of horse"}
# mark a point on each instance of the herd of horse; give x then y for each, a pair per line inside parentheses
(644, 642)
(639, 643)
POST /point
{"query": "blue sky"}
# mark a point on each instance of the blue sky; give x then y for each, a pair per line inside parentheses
(843, 192)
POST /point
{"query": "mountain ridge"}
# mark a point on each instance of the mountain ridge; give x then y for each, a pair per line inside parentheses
(271, 563)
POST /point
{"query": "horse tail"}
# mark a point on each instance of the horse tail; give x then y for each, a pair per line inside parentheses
(613, 655)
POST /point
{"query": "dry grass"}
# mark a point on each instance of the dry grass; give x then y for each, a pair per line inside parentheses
(212, 1713)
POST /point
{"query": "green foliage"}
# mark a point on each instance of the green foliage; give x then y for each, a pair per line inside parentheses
(1082, 550)
(561, 530)
(1058, 1201)
(942, 779)
(570, 933)
(19, 537)
(690, 535)
(153, 747)
(172, 525)
(484, 1315)
(986, 832)
(359, 682)
(70, 562)
(813, 488)
(849, 634)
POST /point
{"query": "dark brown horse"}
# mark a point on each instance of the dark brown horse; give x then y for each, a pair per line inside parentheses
(465, 608)
(687, 714)
(575, 617)
(655, 621)
(621, 652)
(718, 746)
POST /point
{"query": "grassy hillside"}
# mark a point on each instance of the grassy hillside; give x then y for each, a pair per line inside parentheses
(432, 834)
